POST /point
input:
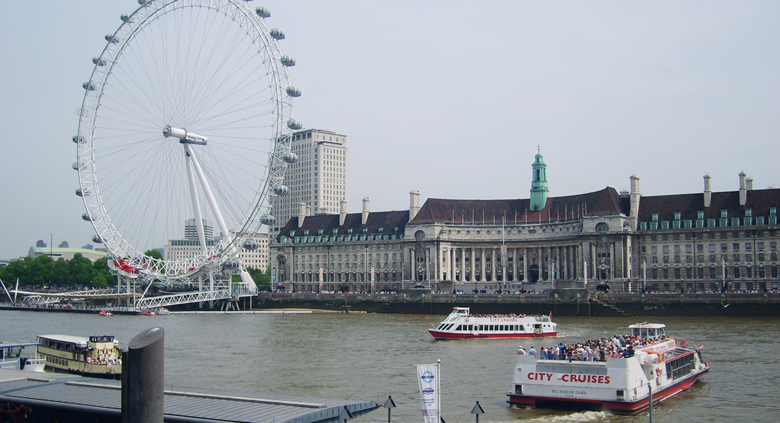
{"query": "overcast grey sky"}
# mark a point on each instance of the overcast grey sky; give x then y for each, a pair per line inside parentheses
(450, 98)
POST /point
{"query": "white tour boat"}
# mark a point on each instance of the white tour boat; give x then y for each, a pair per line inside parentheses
(461, 324)
(608, 374)
(12, 357)
(96, 356)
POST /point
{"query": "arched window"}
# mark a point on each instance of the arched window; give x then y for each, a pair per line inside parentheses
(602, 227)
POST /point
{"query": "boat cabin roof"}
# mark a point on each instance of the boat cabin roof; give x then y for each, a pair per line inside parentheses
(5, 345)
(461, 311)
(648, 330)
(76, 340)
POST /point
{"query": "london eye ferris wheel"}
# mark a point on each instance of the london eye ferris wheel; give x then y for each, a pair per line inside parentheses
(187, 115)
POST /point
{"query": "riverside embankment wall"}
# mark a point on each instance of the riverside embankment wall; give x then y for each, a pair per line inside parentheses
(558, 302)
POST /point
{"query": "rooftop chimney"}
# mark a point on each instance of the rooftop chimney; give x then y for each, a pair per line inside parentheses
(707, 191)
(301, 213)
(633, 198)
(414, 204)
(742, 188)
(365, 210)
(749, 183)
(343, 212)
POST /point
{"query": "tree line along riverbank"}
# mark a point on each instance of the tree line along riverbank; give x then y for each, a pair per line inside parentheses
(562, 302)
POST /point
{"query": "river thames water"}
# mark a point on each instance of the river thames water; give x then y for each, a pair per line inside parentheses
(366, 357)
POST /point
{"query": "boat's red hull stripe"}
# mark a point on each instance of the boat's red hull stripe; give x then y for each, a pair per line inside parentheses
(449, 335)
(617, 407)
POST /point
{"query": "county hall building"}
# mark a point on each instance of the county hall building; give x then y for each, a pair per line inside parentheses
(706, 241)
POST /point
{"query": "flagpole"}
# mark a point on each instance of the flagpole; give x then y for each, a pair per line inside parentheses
(438, 391)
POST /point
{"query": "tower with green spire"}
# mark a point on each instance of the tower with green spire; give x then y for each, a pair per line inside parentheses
(539, 189)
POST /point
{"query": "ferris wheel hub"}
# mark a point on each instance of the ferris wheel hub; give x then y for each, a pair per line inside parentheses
(184, 136)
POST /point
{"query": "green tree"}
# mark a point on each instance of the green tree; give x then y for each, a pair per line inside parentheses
(101, 275)
(261, 278)
(153, 254)
(40, 270)
(61, 273)
(80, 270)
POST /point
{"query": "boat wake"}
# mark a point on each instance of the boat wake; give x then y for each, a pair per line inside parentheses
(583, 416)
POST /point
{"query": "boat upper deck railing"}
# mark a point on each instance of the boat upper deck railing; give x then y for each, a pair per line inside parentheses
(536, 317)
(623, 346)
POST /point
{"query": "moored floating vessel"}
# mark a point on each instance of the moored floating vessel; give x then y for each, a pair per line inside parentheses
(12, 357)
(461, 324)
(96, 356)
(617, 374)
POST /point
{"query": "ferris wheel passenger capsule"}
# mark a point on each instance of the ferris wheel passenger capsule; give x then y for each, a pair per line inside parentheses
(230, 264)
(294, 124)
(97, 239)
(98, 61)
(281, 190)
(290, 157)
(287, 61)
(276, 34)
(124, 17)
(86, 217)
(263, 12)
(78, 140)
(250, 245)
(111, 39)
(79, 193)
(88, 86)
(75, 166)
(267, 219)
(293, 92)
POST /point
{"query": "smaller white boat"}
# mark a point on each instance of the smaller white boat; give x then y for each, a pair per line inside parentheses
(12, 357)
(461, 324)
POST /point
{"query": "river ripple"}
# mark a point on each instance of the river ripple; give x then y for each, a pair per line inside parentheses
(366, 357)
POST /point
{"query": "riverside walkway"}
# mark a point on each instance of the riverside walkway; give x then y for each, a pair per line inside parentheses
(561, 302)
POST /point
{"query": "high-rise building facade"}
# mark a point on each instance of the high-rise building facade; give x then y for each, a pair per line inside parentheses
(318, 178)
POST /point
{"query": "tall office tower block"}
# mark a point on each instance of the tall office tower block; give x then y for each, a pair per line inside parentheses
(318, 179)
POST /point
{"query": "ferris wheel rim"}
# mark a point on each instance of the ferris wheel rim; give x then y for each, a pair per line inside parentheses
(101, 219)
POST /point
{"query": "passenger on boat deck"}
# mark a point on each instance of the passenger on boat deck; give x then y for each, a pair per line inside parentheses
(600, 349)
(521, 350)
(532, 351)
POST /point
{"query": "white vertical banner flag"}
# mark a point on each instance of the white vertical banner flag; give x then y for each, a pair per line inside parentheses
(428, 378)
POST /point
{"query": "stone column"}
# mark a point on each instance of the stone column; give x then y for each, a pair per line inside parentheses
(525, 264)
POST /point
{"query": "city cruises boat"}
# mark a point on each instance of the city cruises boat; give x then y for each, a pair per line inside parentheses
(461, 324)
(96, 356)
(12, 357)
(627, 372)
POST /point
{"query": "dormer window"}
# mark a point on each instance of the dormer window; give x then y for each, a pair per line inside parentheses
(748, 212)
(677, 215)
(655, 217)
